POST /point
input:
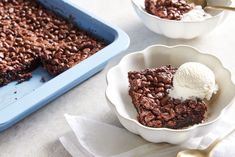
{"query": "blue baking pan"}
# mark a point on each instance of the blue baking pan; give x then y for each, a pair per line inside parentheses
(19, 100)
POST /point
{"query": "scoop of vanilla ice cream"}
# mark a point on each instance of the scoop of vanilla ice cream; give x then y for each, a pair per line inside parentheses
(193, 80)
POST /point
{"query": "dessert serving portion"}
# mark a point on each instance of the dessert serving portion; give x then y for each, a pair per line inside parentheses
(171, 17)
(31, 35)
(136, 96)
(170, 97)
(178, 10)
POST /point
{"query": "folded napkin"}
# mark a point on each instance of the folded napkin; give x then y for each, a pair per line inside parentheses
(90, 138)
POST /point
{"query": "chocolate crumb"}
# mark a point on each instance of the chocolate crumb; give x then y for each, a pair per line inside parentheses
(43, 79)
(24, 77)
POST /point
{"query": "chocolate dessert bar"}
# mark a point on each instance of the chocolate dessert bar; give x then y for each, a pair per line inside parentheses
(31, 35)
(18, 54)
(168, 9)
(149, 93)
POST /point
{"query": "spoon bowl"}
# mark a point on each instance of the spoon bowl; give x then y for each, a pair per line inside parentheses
(192, 153)
(205, 5)
(203, 152)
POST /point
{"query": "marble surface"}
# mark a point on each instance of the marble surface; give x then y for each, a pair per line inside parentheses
(37, 135)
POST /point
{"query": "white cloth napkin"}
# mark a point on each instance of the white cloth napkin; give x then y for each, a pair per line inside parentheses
(90, 138)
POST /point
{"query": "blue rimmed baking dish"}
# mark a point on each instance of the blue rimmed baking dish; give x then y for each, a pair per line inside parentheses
(19, 100)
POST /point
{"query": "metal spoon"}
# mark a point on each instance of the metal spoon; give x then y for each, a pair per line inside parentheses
(205, 5)
(202, 152)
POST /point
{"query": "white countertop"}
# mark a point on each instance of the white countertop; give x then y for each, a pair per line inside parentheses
(37, 135)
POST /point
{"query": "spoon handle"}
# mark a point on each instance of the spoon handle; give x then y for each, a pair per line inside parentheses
(220, 7)
(218, 140)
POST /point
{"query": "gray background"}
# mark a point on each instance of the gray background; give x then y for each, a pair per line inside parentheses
(37, 135)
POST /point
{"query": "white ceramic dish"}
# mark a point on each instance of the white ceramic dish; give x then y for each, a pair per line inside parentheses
(155, 56)
(179, 29)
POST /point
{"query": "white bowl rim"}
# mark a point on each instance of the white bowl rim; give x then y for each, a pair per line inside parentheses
(176, 21)
(187, 129)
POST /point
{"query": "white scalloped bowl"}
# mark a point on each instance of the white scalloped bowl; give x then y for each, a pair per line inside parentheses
(156, 56)
(179, 29)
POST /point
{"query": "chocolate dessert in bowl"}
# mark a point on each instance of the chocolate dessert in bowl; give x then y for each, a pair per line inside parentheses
(170, 97)
(179, 10)
(179, 18)
(167, 95)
